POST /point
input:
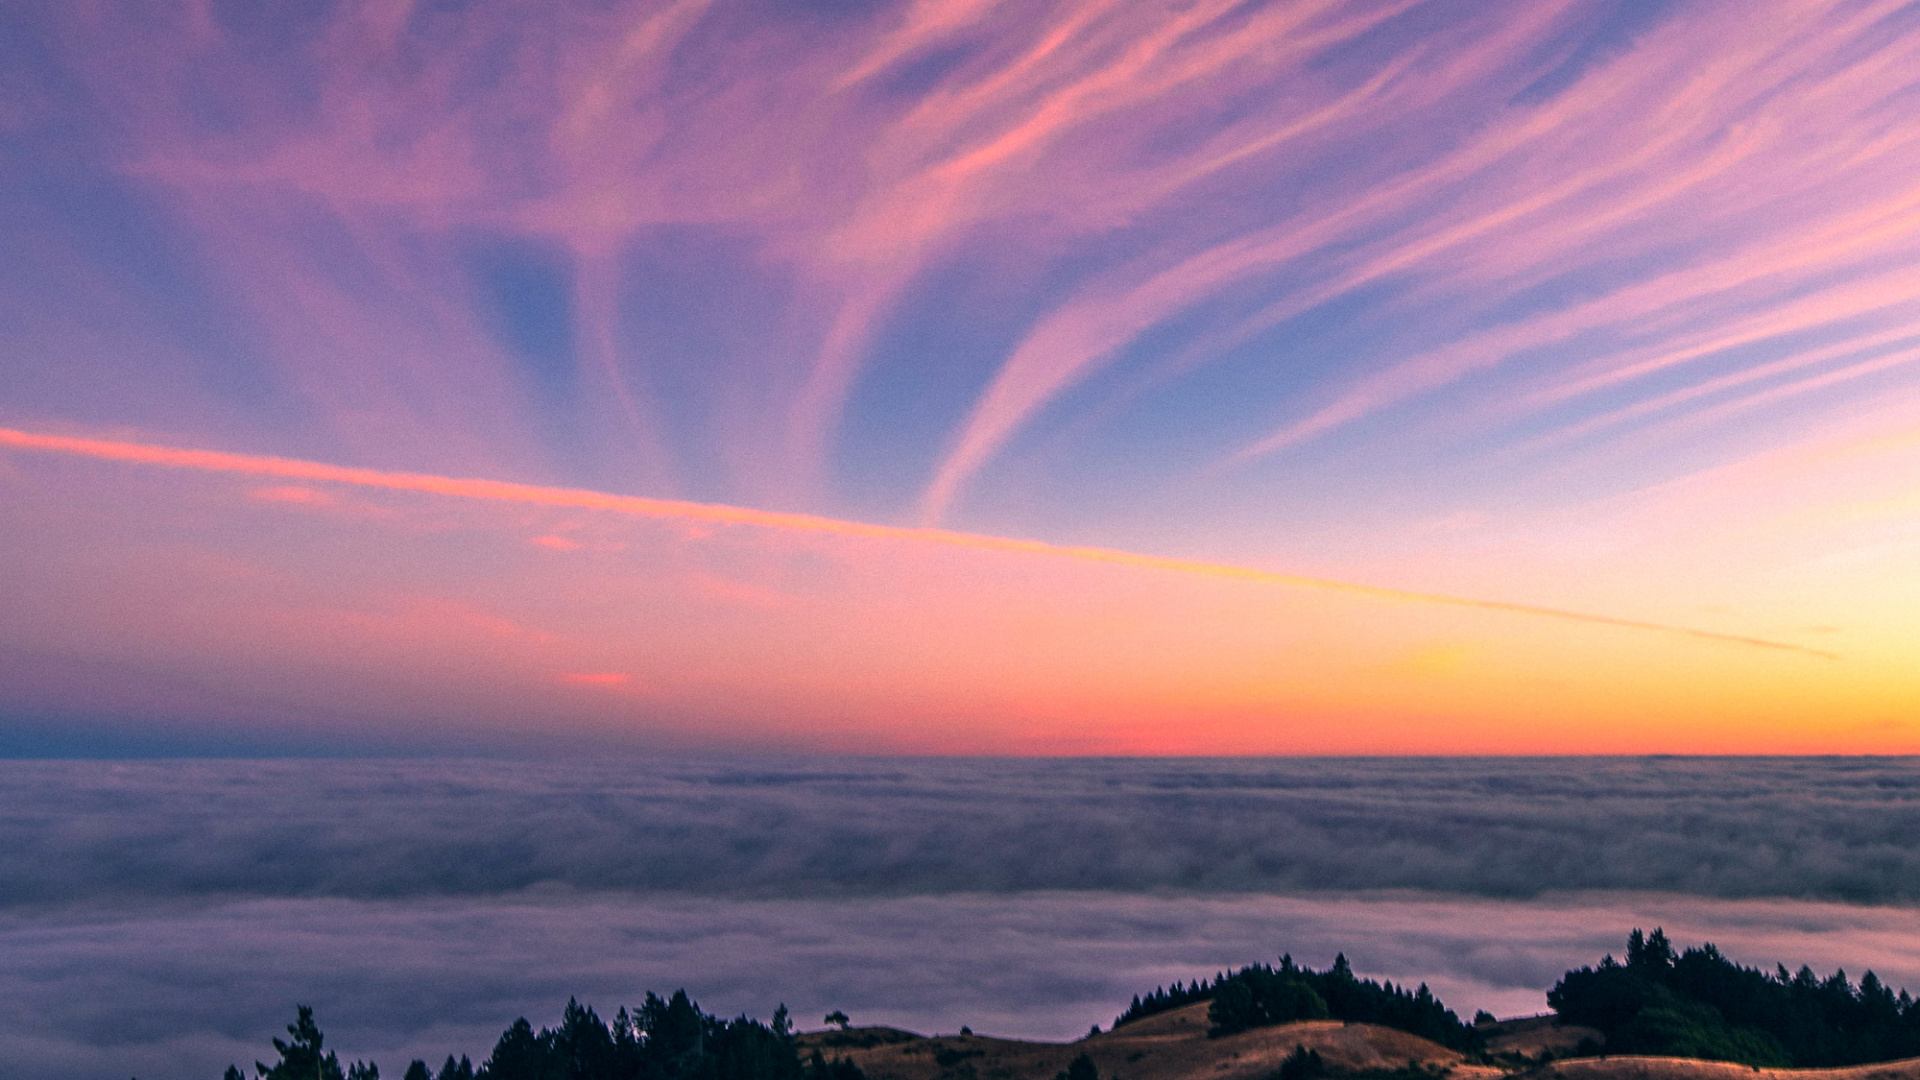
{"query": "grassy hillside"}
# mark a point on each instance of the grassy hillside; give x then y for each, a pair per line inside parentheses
(1171, 1045)
(1174, 1045)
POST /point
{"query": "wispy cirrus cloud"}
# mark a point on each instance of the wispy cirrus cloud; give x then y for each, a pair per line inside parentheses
(1193, 149)
(1255, 164)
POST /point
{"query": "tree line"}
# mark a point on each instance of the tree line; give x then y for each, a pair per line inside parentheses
(663, 1039)
(1661, 1001)
(1261, 994)
(1697, 1003)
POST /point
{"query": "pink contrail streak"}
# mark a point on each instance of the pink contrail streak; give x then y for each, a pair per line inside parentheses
(718, 514)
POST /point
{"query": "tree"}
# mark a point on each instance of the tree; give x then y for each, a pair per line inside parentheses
(1259, 996)
(839, 1019)
(1303, 1064)
(419, 1071)
(582, 1047)
(302, 1057)
(518, 1055)
(1080, 1068)
(818, 1068)
(676, 1031)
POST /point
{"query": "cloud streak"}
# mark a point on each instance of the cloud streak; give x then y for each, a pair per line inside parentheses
(711, 514)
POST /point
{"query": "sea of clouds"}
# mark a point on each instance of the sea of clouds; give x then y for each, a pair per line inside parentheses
(161, 918)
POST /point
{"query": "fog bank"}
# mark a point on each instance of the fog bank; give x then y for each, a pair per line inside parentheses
(1808, 828)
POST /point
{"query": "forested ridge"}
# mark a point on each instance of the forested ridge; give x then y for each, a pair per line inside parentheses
(664, 1039)
(1697, 1003)
(1694, 1003)
(1660, 1001)
(1259, 995)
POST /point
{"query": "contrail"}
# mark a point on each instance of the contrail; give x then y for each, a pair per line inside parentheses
(719, 514)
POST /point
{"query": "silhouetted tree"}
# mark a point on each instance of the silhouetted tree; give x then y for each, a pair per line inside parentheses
(1165, 999)
(818, 1068)
(519, 1054)
(663, 1039)
(1302, 1064)
(1259, 996)
(1080, 1068)
(581, 1048)
(302, 1057)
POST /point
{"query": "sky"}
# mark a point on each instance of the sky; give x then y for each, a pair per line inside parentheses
(959, 376)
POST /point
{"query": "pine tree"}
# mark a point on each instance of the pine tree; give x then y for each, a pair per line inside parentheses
(520, 1055)
(582, 1048)
(302, 1058)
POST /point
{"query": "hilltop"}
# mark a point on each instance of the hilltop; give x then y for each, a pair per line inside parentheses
(1171, 1045)
(1174, 1045)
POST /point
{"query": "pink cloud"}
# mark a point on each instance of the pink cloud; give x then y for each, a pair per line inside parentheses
(288, 493)
(608, 679)
(491, 491)
(821, 633)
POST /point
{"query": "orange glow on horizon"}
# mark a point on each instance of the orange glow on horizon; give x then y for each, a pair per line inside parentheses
(677, 623)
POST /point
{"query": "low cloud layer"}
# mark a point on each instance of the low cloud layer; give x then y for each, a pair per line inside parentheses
(1806, 828)
(161, 918)
(163, 993)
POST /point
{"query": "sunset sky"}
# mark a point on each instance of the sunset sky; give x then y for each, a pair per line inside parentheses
(959, 376)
